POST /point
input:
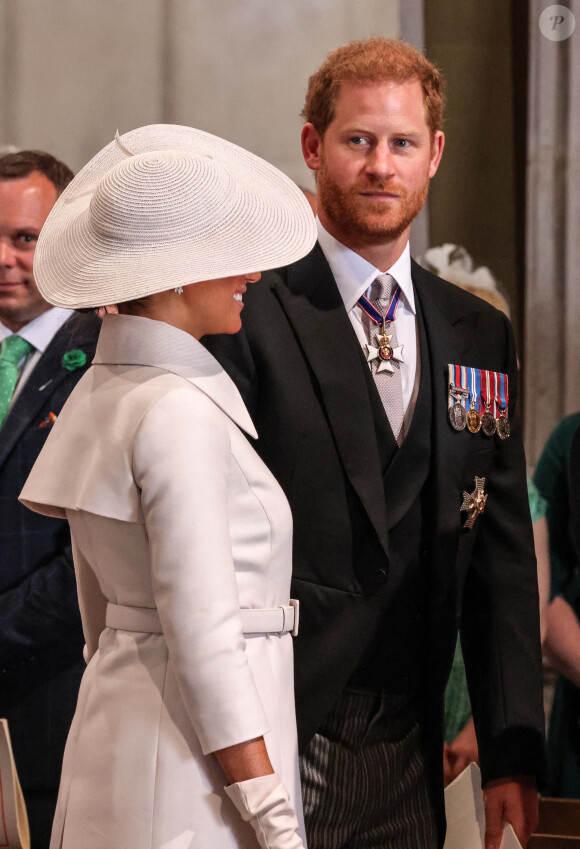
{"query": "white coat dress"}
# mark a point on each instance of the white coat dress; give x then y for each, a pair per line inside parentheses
(170, 508)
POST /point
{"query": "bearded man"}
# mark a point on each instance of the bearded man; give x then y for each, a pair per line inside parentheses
(361, 371)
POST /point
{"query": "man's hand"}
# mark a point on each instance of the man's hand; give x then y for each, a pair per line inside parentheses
(513, 800)
(459, 754)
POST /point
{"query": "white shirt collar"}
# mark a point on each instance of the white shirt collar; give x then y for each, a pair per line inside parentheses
(41, 330)
(354, 274)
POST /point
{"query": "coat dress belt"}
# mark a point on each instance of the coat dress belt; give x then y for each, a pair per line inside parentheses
(255, 620)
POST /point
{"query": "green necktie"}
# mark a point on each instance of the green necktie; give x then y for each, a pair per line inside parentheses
(12, 349)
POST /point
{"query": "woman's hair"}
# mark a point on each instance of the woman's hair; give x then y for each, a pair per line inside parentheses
(134, 307)
(372, 61)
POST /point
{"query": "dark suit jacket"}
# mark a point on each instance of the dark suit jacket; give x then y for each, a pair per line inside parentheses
(300, 368)
(41, 638)
(575, 496)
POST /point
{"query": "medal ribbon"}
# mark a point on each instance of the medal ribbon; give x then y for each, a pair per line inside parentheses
(486, 391)
(375, 316)
(475, 381)
(485, 394)
(458, 385)
(452, 384)
(503, 394)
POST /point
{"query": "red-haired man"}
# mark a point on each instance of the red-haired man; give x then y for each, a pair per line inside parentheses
(406, 523)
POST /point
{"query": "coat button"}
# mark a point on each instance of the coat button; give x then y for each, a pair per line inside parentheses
(380, 576)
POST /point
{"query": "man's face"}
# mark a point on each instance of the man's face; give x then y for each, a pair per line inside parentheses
(374, 162)
(24, 207)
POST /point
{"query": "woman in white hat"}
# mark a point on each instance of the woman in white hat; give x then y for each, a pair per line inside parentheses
(181, 536)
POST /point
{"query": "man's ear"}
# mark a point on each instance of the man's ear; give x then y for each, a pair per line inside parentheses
(311, 143)
(437, 146)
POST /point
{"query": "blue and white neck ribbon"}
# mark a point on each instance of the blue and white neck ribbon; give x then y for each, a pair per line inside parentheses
(375, 316)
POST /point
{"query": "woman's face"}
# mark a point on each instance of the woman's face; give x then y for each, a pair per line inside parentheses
(214, 306)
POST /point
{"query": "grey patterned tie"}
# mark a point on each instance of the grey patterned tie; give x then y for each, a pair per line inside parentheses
(389, 385)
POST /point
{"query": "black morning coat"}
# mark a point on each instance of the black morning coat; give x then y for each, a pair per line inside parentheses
(300, 369)
(575, 498)
(41, 639)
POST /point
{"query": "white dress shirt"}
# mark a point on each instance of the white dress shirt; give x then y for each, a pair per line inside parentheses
(39, 332)
(354, 275)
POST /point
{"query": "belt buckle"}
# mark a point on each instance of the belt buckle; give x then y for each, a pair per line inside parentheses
(294, 602)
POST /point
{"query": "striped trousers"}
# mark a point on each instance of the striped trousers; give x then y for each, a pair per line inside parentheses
(364, 781)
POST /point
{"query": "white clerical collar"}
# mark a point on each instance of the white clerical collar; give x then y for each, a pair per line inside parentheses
(354, 274)
(41, 330)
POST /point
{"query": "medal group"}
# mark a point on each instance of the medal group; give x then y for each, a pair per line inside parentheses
(478, 400)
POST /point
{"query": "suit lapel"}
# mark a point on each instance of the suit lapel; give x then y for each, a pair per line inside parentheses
(45, 379)
(450, 336)
(316, 311)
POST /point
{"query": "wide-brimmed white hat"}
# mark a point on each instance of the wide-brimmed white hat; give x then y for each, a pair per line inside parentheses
(165, 206)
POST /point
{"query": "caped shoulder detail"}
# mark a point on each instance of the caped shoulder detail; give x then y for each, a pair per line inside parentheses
(87, 461)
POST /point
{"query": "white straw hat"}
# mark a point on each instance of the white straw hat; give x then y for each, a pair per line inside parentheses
(164, 206)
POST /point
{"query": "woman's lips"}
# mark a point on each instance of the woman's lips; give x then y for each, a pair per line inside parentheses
(239, 293)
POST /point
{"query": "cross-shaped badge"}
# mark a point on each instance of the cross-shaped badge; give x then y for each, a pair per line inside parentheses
(474, 502)
(384, 352)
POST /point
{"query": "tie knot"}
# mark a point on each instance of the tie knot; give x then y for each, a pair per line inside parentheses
(381, 290)
(13, 348)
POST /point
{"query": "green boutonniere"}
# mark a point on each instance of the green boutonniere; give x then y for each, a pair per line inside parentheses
(74, 359)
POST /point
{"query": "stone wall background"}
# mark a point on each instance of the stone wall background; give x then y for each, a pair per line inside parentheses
(74, 71)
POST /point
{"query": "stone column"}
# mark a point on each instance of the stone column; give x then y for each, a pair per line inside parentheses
(552, 296)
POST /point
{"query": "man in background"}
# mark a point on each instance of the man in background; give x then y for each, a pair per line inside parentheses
(43, 353)
(406, 524)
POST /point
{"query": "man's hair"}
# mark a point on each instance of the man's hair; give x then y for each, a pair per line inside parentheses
(372, 60)
(15, 166)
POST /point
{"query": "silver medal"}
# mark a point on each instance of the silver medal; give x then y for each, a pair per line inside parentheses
(457, 416)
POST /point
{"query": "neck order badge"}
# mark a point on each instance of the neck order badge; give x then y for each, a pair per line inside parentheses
(385, 352)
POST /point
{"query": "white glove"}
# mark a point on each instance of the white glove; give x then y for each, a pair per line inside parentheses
(265, 804)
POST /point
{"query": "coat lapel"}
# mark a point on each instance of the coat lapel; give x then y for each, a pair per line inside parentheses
(131, 340)
(45, 379)
(316, 311)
